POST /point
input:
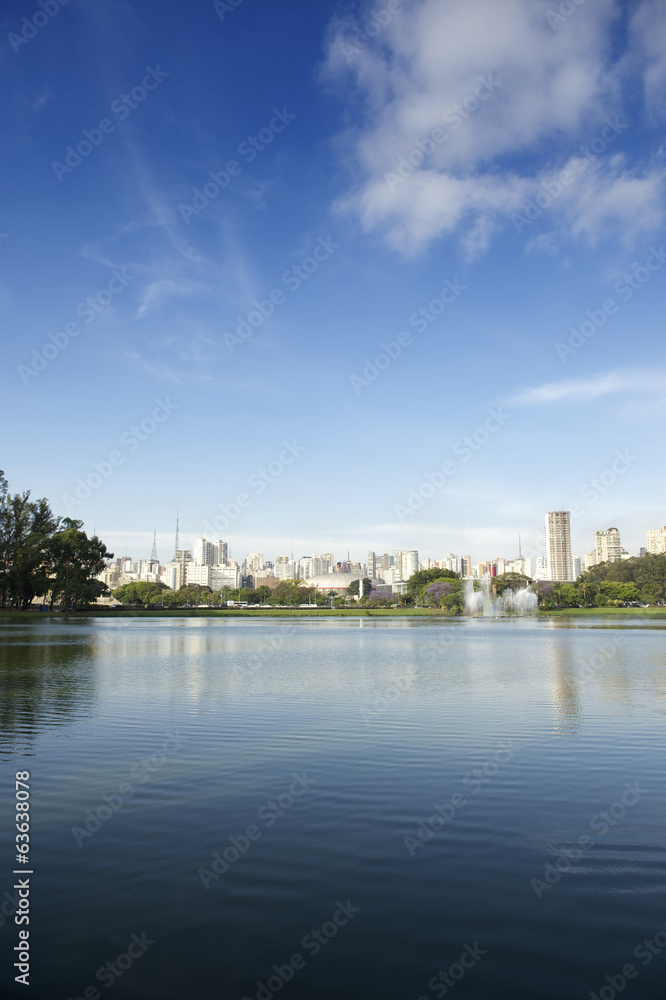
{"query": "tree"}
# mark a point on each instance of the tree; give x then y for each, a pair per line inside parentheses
(74, 561)
(435, 593)
(140, 592)
(513, 581)
(291, 592)
(354, 586)
(422, 577)
(25, 527)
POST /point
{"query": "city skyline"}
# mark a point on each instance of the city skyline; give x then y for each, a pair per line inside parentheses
(523, 545)
(556, 562)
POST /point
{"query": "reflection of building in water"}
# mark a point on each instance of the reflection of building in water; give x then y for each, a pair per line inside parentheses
(563, 683)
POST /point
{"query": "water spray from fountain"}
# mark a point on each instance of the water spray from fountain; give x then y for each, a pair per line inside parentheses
(512, 602)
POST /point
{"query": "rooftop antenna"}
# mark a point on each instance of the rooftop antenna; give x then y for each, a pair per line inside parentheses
(177, 543)
(153, 554)
(520, 551)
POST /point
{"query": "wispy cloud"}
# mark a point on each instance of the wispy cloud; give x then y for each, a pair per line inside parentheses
(644, 380)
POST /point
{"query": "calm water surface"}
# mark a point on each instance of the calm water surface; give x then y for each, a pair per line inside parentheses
(235, 793)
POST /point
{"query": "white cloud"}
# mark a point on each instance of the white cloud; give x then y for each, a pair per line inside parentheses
(648, 35)
(514, 101)
(585, 390)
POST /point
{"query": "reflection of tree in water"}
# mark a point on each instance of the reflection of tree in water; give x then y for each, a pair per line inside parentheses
(46, 680)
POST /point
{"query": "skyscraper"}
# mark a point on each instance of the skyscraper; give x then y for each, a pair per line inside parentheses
(558, 545)
(656, 541)
(608, 545)
(406, 563)
(204, 553)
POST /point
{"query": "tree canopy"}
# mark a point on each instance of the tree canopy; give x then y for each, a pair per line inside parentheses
(42, 554)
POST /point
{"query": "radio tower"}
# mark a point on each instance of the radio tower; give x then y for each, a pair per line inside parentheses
(153, 554)
(177, 542)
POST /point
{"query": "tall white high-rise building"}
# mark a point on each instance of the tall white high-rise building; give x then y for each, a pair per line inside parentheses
(450, 561)
(205, 553)
(254, 561)
(558, 545)
(282, 564)
(656, 541)
(607, 544)
(541, 570)
(405, 564)
(304, 567)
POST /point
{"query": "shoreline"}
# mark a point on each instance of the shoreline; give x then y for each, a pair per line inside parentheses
(104, 612)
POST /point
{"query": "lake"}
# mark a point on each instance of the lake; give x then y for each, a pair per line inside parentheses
(337, 808)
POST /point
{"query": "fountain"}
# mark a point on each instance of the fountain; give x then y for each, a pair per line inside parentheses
(513, 602)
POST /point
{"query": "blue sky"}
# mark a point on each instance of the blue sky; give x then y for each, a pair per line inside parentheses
(511, 150)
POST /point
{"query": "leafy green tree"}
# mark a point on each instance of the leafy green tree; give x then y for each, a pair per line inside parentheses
(25, 527)
(419, 580)
(652, 593)
(506, 581)
(354, 586)
(291, 592)
(454, 603)
(74, 562)
(140, 592)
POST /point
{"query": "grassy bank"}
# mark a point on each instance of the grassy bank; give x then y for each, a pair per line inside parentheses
(103, 612)
(606, 612)
(231, 613)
